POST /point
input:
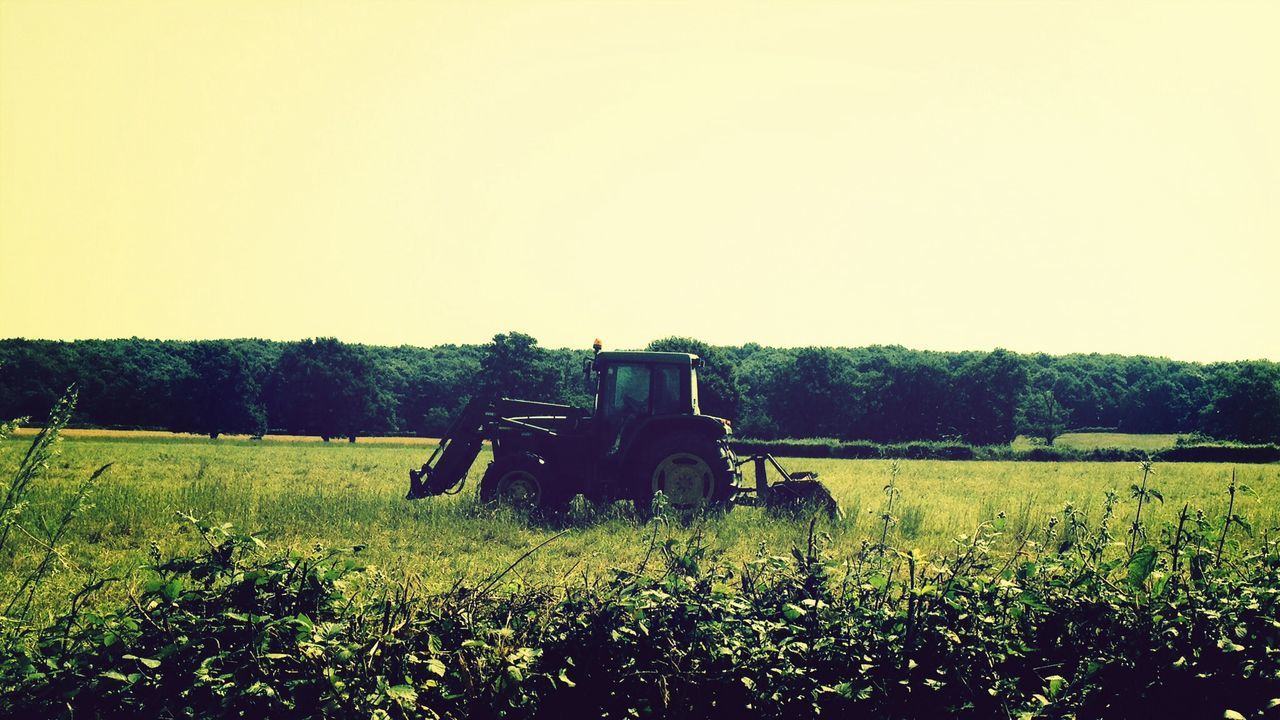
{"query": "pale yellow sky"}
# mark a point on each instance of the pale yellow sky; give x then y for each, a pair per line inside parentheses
(1058, 177)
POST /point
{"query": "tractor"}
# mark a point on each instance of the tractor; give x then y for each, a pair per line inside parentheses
(645, 435)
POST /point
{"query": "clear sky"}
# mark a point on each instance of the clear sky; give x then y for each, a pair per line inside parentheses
(1058, 177)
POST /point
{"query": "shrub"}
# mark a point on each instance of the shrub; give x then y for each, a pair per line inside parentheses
(867, 450)
(1222, 453)
(1065, 628)
(857, 450)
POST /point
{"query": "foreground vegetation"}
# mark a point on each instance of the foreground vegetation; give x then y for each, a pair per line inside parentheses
(1057, 630)
(202, 578)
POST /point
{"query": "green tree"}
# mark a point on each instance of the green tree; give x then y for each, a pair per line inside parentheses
(326, 388)
(989, 389)
(1245, 404)
(514, 366)
(129, 383)
(33, 374)
(718, 391)
(817, 395)
(905, 394)
(438, 382)
(1040, 415)
(758, 374)
(223, 394)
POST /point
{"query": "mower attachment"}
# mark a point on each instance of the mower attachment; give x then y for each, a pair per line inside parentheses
(794, 493)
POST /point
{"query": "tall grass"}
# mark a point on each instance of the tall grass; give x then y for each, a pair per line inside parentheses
(33, 526)
(1062, 625)
(299, 495)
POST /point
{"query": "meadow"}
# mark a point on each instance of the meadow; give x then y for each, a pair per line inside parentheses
(303, 494)
(238, 578)
(1150, 442)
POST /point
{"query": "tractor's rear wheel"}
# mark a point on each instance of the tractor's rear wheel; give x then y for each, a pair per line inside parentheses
(690, 471)
(520, 482)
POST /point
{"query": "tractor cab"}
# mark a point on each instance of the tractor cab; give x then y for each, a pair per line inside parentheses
(645, 384)
(635, 389)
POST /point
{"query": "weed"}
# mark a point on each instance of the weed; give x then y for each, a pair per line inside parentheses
(911, 521)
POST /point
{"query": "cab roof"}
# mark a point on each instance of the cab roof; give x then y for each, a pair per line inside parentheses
(673, 358)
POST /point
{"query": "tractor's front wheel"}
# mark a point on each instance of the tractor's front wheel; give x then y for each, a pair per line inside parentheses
(691, 472)
(520, 482)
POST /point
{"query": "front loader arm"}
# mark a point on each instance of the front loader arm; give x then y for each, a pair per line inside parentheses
(447, 467)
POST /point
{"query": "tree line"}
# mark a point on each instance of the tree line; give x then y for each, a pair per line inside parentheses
(327, 388)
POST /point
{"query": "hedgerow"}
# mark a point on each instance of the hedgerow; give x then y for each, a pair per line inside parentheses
(1070, 625)
(866, 450)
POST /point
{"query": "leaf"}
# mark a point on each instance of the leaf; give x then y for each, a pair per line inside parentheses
(1031, 601)
(435, 665)
(792, 611)
(1055, 684)
(1155, 494)
(1232, 715)
(564, 678)
(402, 693)
(1227, 645)
(172, 589)
(1141, 565)
(1160, 583)
(148, 662)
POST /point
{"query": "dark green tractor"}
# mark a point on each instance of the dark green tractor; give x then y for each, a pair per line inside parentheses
(644, 435)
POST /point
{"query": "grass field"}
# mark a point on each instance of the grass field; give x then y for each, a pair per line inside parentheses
(454, 610)
(1089, 441)
(100, 433)
(302, 494)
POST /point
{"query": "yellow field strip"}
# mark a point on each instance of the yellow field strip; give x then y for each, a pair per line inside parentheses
(142, 434)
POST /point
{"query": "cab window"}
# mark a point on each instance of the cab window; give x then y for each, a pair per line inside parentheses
(666, 390)
(626, 390)
(693, 391)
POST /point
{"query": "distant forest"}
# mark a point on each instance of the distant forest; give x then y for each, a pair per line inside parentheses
(331, 389)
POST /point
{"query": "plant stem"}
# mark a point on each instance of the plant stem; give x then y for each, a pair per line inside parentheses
(1231, 505)
(1177, 546)
(1137, 517)
(891, 490)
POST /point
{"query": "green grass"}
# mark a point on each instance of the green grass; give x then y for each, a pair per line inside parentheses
(301, 494)
(1089, 441)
